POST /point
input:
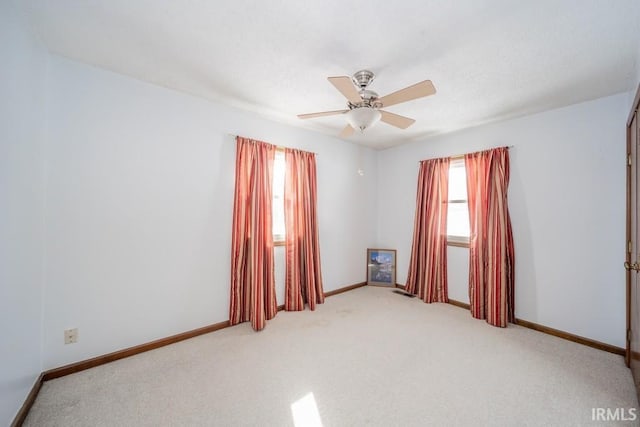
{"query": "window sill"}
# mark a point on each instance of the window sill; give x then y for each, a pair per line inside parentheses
(279, 243)
(457, 244)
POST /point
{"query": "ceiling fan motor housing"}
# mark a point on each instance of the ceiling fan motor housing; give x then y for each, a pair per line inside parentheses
(362, 78)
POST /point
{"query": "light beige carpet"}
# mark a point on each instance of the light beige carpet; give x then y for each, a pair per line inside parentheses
(365, 357)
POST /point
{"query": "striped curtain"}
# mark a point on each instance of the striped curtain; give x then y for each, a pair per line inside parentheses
(491, 253)
(303, 278)
(253, 295)
(427, 276)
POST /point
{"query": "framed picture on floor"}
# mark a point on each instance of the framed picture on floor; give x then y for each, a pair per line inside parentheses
(381, 267)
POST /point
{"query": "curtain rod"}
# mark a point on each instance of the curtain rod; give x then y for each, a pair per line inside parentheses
(278, 147)
(461, 156)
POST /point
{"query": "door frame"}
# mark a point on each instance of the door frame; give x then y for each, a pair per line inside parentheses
(634, 110)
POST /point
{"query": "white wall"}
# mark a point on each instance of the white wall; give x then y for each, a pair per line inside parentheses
(139, 212)
(636, 80)
(567, 204)
(22, 89)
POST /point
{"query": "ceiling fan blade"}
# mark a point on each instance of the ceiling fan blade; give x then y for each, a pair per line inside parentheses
(322, 114)
(346, 132)
(346, 87)
(401, 122)
(415, 91)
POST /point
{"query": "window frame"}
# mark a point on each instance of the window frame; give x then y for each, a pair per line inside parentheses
(278, 239)
(456, 240)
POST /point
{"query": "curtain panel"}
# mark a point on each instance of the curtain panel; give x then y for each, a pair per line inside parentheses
(491, 250)
(303, 277)
(253, 295)
(427, 275)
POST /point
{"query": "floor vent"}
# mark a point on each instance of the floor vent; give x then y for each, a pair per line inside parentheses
(406, 294)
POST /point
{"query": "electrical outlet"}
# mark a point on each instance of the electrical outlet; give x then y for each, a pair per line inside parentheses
(71, 336)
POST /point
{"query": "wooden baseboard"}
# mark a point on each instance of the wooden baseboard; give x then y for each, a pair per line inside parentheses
(558, 333)
(131, 351)
(345, 289)
(547, 330)
(571, 337)
(28, 403)
(459, 304)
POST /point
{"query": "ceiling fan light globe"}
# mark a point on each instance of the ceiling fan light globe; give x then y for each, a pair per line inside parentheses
(363, 118)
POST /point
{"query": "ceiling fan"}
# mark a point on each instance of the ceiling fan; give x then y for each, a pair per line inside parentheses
(365, 105)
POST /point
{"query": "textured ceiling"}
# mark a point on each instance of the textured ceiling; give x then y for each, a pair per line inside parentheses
(488, 60)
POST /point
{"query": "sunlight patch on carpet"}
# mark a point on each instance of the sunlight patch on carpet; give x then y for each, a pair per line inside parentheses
(305, 412)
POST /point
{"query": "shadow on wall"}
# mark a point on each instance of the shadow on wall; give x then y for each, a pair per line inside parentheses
(525, 280)
(222, 207)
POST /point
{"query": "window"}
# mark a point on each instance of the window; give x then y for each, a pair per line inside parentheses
(458, 209)
(278, 198)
